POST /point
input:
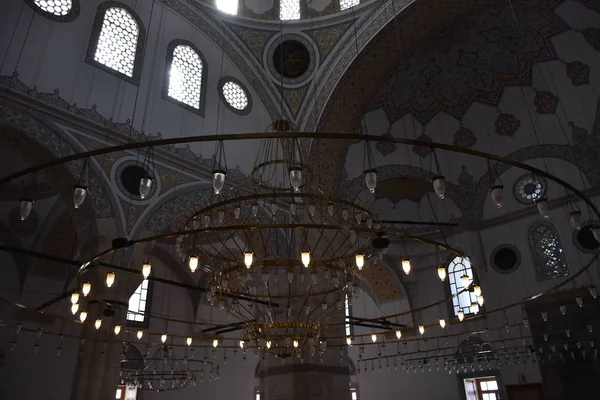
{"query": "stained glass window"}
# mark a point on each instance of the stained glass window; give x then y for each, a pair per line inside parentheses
(138, 302)
(56, 7)
(461, 300)
(529, 188)
(289, 9)
(227, 6)
(346, 4)
(118, 40)
(549, 257)
(185, 76)
(235, 95)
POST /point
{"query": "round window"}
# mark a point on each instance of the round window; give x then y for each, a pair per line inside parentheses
(505, 258)
(529, 188)
(584, 238)
(235, 95)
(56, 10)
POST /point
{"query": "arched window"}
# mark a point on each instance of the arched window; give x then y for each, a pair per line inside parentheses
(227, 6)
(346, 4)
(289, 9)
(56, 10)
(458, 267)
(138, 303)
(117, 41)
(185, 79)
(548, 256)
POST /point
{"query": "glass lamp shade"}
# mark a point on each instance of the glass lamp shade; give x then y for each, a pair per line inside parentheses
(579, 301)
(98, 324)
(497, 194)
(215, 342)
(117, 329)
(465, 280)
(248, 258)
(236, 212)
(371, 179)
(442, 323)
(543, 207)
(421, 329)
(146, 268)
(295, 177)
(293, 208)
(83, 316)
(575, 219)
(140, 334)
(596, 232)
(25, 209)
(296, 344)
(480, 300)
(544, 316)
(526, 322)
(360, 261)
(330, 209)
(163, 338)
(461, 315)
(218, 180)
(145, 186)
(406, 267)
(74, 297)
(345, 213)
(305, 255)
(188, 341)
(311, 209)
(358, 218)
(442, 273)
(477, 290)
(475, 308)
(255, 210)
(221, 215)
(268, 343)
(193, 263)
(373, 337)
(242, 344)
(290, 276)
(74, 308)
(86, 288)
(110, 279)
(398, 333)
(79, 195)
(349, 341)
(439, 185)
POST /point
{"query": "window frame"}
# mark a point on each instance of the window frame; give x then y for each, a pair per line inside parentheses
(302, 11)
(339, 3)
(69, 17)
(538, 258)
(222, 82)
(146, 322)
(203, 81)
(448, 289)
(95, 36)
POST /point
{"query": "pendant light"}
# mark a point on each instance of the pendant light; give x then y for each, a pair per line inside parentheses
(477, 290)
(349, 341)
(218, 180)
(86, 288)
(461, 315)
(442, 323)
(465, 280)
(439, 185)
(406, 267)
(305, 256)
(475, 308)
(398, 334)
(193, 263)
(371, 179)
(373, 337)
(543, 207)
(117, 329)
(163, 338)
(480, 300)
(596, 232)
(82, 316)
(110, 278)
(74, 297)
(25, 208)
(140, 334)
(145, 186)
(237, 212)
(79, 195)
(215, 342)
(146, 268)
(360, 260)
(188, 341)
(421, 329)
(98, 324)
(497, 194)
(74, 308)
(295, 177)
(441, 273)
(575, 219)
(248, 258)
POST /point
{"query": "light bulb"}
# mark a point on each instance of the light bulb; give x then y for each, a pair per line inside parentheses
(188, 341)
(477, 290)
(421, 329)
(242, 342)
(86, 288)
(360, 261)
(98, 324)
(163, 338)
(74, 297)
(146, 268)
(349, 341)
(79, 194)
(442, 273)
(442, 323)
(373, 337)
(248, 257)
(461, 315)
(465, 280)
(305, 255)
(296, 344)
(398, 333)
(218, 181)
(480, 299)
(140, 334)
(215, 342)
(406, 265)
(110, 279)
(82, 316)
(193, 263)
(117, 329)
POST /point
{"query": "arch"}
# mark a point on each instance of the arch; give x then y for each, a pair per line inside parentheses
(461, 300)
(119, 53)
(474, 349)
(185, 78)
(56, 10)
(547, 251)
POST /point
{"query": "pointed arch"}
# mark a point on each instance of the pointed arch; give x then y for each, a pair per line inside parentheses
(547, 251)
(461, 299)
